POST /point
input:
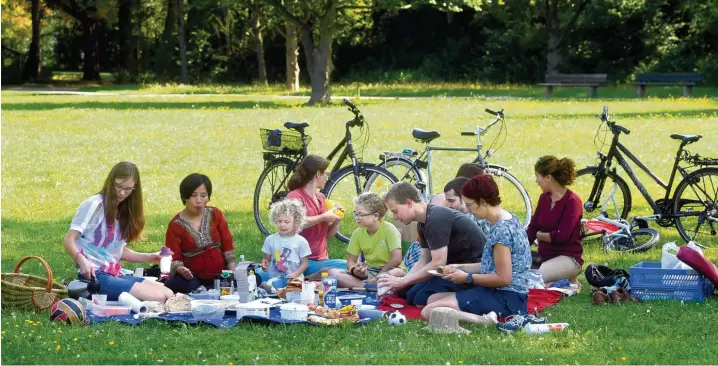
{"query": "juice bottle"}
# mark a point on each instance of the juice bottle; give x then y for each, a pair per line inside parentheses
(321, 289)
(330, 291)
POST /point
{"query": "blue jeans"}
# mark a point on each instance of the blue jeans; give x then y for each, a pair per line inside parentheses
(312, 267)
(113, 286)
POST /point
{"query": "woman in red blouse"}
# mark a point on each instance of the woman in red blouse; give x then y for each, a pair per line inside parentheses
(556, 223)
(199, 237)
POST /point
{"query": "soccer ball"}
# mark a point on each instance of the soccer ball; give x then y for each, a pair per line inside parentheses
(396, 318)
(69, 311)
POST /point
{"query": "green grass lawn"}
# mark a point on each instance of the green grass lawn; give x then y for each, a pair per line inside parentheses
(56, 150)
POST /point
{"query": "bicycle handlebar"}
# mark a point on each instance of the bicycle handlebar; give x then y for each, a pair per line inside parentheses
(468, 133)
(499, 114)
(622, 129)
(350, 104)
(358, 119)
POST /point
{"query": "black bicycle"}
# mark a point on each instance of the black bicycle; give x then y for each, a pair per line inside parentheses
(284, 150)
(693, 209)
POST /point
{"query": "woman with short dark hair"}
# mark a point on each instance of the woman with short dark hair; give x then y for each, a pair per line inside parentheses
(499, 284)
(199, 237)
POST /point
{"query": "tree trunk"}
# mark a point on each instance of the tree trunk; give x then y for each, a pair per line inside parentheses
(91, 66)
(292, 57)
(320, 58)
(124, 22)
(258, 42)
(553, 53)
(182, 43)
(170, 21)
(32, 65)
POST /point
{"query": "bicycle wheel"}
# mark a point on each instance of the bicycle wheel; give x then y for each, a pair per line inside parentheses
(341, 187)
(405, 170)
(271, 187)
(696, 204)
(640, 241)
(617, 206)
(513, 195)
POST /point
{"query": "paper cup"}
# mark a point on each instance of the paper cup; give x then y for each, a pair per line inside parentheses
(100, 300)
(139, 272)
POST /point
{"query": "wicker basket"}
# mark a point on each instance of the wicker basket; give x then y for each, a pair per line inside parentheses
(26, 291)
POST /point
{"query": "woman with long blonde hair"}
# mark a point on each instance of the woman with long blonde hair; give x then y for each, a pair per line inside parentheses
(99, 233)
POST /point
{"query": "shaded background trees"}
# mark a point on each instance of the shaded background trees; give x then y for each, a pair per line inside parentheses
(318, 41)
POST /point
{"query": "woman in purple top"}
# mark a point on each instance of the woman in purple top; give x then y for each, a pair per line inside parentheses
(556, 223)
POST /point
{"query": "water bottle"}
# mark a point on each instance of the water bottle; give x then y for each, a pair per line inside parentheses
(544, 328)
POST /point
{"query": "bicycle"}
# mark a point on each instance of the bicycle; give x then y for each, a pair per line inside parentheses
(695, 200)
(619, 235)
(409, 165)
(284, 150)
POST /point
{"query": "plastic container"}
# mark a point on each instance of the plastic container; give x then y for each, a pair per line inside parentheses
(294, 312)
(109, 310)
(651, 282)
(544, 328)
(345, 300)
(205, 295)
(230, 299)
(251, 308)
(208, 309)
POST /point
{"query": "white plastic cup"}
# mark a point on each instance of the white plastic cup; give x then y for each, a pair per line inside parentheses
(165, 264)
(139, 272)
(100, 300)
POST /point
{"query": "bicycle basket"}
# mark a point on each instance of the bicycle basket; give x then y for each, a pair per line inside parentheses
(281, 141)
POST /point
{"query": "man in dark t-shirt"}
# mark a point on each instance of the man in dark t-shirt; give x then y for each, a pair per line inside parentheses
(448, 237)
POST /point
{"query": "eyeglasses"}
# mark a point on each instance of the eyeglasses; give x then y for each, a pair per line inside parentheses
(359, 214)
(124, 189)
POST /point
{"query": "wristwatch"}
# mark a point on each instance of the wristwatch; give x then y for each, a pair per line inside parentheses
(470, 278)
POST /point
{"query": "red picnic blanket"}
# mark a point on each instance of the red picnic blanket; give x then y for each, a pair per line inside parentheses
(538, 300)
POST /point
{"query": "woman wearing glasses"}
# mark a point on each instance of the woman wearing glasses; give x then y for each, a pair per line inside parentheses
(99, 233)
(499, 284)
(556, 223)
(377, 240)
(199, 237)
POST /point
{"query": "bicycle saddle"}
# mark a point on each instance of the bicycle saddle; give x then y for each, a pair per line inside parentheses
(686, 139)
(424, 136)
(296, 126)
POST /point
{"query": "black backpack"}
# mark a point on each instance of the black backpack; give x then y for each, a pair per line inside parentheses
(602, 276)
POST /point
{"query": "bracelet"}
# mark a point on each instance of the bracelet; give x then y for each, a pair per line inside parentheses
(351, 270)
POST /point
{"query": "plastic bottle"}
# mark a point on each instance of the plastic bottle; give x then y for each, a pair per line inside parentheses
(165, 262)
(321, 289)
(544, 328)
(330, 290)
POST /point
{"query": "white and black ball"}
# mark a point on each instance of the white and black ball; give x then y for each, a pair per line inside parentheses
(396, 318)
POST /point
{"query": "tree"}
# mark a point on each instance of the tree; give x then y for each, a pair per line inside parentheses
(182, 42)
(258, 25)
(32, 65)
(554, 11)
(90, 16)
(124, 22)
(291, 56)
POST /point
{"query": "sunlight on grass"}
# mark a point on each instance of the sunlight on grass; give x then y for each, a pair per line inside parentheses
(57, 150)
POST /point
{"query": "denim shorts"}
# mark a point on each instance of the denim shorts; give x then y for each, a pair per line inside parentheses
(419, 293)
(113, 286)
(482, 300)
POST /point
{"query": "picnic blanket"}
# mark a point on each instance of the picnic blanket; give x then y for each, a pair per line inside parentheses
(228, 321)
(538, 300)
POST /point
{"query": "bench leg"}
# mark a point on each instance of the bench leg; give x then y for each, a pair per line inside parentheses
(592, 91)
(549, 91)
(687, 89)
(641, 91)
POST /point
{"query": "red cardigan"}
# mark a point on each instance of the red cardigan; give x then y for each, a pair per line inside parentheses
(205, 252)
(562, 222)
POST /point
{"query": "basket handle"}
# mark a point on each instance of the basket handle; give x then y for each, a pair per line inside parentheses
(47, 269)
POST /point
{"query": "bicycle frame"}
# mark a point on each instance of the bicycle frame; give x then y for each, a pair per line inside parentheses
(617, 151)
(479, 159)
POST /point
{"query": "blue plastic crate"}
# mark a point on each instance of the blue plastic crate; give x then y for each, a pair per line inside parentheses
(651, 282)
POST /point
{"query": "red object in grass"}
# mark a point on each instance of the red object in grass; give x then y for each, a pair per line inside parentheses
(698, 262)
(597, 226)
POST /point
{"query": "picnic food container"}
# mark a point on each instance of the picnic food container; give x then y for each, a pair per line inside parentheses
(294, 311)
(252, 309)
(30, 292)
(108, 310)
(208, 309)
(206, 295)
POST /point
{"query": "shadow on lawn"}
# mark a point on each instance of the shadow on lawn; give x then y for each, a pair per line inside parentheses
(617, 116)
(147, 105)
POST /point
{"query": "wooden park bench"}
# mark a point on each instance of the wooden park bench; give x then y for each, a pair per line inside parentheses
(685, 79)
(592, 81)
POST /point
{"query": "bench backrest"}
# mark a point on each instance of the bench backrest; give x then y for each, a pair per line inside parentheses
(669, 77)
(576, 78)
